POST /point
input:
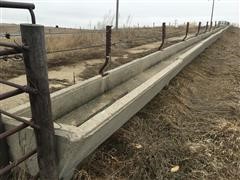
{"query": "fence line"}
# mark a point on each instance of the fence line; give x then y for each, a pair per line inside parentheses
(101, 45)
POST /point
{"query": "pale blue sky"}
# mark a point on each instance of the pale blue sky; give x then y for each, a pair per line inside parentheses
(76, 13)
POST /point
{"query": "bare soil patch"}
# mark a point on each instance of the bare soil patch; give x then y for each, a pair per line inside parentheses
(70, 39)
(67, 69)
(190, 130)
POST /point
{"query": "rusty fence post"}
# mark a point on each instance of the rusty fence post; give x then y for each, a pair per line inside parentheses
(199, 28)
(211, 24)
(163, 35)
(107, 51)
(206, 28)
(4, 151)
(35, 60)
(215, 26)
(187, 30)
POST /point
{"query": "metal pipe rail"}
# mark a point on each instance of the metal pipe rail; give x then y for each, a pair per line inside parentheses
(16, 163)
(15, 49)
(20, 5)
(10, 132)
(13, 131)
(75, 49)
(23, 88)
(8, 52)
(20, 119)
(10, 94)
(11, 45)
(20, 89)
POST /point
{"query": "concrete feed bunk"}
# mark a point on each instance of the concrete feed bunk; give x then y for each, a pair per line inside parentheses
(87, 113)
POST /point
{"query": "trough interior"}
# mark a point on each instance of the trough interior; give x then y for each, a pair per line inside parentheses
(84, 112)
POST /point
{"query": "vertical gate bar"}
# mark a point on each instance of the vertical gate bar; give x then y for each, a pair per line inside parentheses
(32, 16)
(4, 150)
(187, 29)
(199, 28)
(163, 35)
(35, 60)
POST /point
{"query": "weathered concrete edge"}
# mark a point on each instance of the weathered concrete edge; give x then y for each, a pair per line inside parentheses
(94, 122)
(95, 131)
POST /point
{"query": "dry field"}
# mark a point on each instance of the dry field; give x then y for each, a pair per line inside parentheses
(125, 38)
(191, 130)
(68, 67)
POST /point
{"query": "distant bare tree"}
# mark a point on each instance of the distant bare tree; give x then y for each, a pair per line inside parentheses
(129, 21)
(108, 19)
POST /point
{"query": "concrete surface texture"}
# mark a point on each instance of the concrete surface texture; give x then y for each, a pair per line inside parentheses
(83, 92)
(87, 113)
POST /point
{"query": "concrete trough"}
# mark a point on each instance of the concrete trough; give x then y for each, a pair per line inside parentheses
(86, 114)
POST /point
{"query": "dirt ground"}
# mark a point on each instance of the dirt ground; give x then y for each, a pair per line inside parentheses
(65, 70)
(190, 130)
(125, 39)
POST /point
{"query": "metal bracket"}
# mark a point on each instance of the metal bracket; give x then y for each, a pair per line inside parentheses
(199, 28)
(163, 35)
(108, 50)
(187, 29)
(206, 28)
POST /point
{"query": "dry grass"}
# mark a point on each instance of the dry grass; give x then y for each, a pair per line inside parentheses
(129, 37)
(83, 38)
(72, 38)
(194, 123)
